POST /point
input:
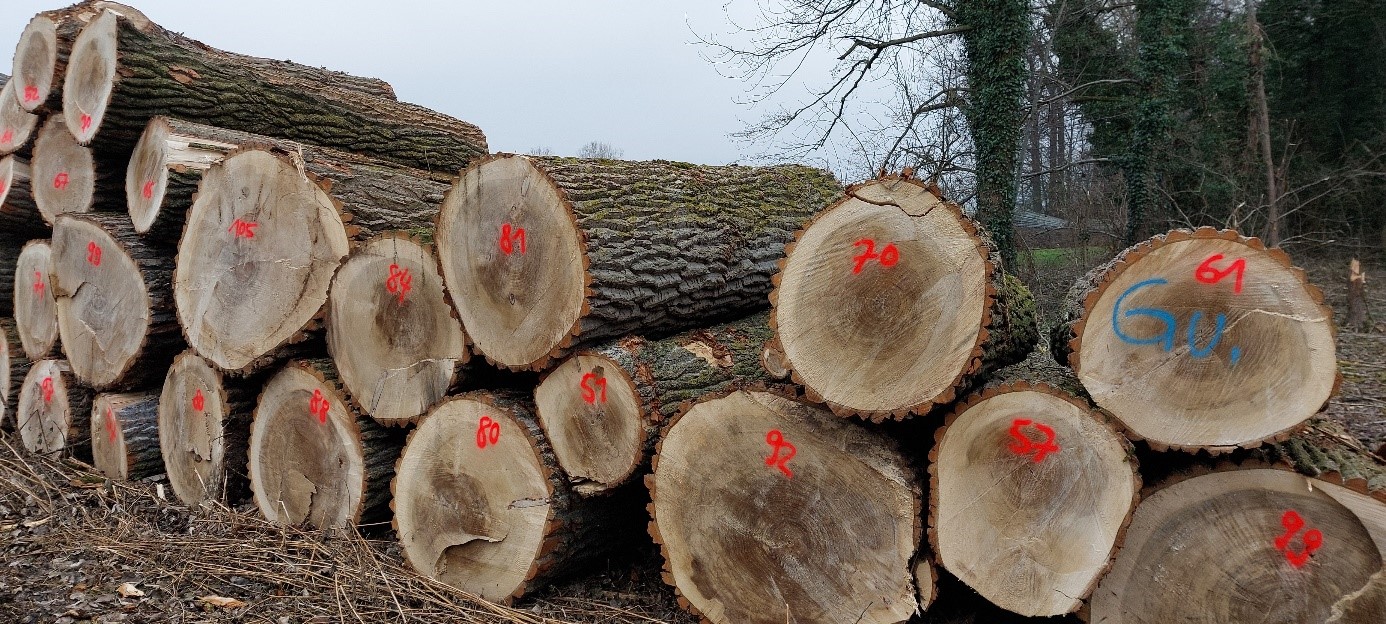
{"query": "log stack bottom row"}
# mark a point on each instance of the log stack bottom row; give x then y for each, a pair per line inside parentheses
(823, 398)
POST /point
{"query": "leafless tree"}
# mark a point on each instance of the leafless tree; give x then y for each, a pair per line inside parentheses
(599, 149)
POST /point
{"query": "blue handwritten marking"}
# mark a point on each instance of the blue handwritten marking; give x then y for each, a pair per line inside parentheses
(1165, 337)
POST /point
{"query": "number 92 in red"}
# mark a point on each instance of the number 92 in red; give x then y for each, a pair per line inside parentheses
(888, 256)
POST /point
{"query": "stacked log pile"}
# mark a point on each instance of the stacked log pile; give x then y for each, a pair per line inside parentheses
(263, 281)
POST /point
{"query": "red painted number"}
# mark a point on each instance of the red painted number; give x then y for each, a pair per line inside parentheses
(111, 424)
(318, 406)
(38, 283)
(1025, 446)
(399, 282)
(1208, 274)
(198, 401)
(31, 93)
(1313, 539)
(47, 386)
(86, 122)
(148, 191)
(888, 257)
(487, 432)
(589, 393)
(509, 237)
(776, 440)
(243, 229)
(93, 254)
(60, 181)
(8, 136)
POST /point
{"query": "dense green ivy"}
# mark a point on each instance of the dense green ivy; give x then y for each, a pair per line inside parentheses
(995, 51)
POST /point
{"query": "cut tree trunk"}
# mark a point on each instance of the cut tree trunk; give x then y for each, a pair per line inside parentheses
(540, 252)
(123, 72)
(1357, 298)
(1201, 340)
(391, 331)
(313, 458)
(40, 57)
(63, 173)
(480, 503)
(19, 213)
(204, 431)
(1061, 484)
(16, 125)
(53, 410)
(172, 155)
(14, 367)
(115, 302)
(125, 435)
(35, 310)
(772, 360)
(254, 264)
(1238, 545)
(770, 510)
(602, 408)
(892, 301)
(925, 581)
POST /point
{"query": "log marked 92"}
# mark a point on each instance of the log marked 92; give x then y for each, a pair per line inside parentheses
(776, 440)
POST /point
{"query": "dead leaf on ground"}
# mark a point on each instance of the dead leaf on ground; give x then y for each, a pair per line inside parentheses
(128, 590)
(222, 601)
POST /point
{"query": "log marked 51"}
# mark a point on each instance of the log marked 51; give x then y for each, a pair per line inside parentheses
(776, 440)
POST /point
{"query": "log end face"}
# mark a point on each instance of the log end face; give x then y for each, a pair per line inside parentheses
(306, 460)
(393, 336)
(514, 261)
(192, 417)
(1062, 488)
(104, 308)
(856, 291)
(795, 488)
(16, 124)
(594, 420)
(44, 416)
(35, 62)
(91, 74)
(108, 440)
(35, 309)
(1206, 341)
(261, 244)
(472, 500)
(63, 173)
(146, 178)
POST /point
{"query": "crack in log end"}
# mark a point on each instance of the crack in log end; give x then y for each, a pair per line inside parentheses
(526, 503)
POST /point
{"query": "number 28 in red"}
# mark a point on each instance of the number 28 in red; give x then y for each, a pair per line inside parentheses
(888, 256)
(509, 237)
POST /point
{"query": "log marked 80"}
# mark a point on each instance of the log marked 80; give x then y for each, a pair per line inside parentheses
(1206, 273)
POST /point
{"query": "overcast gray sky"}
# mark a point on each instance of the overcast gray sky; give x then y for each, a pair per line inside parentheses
(531, 73)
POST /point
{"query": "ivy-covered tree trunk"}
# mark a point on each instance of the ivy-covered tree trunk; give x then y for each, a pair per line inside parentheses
(995, 53)
(1161, 26)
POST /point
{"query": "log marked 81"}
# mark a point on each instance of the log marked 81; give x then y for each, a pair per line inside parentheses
(1206, 273)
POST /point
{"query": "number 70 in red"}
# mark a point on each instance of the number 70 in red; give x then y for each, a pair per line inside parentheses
(888, 256)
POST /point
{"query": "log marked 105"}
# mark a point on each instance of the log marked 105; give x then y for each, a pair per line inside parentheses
(243, 229)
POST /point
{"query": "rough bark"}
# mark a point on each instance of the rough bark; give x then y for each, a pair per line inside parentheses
(757, 488)
(892, 301)
(541, 253)
(391, 331)
(9, 255)
(19, 213)
(253, 268)
(1357, 318)
(35, 310)
(1061, 486)
(172, 155)
(125, 435)
(17, 126)
(14, 367)
(115, 302)
(1239, 544)
(603, 407)
(313, 458)
(52, 412)
(204, 431)
(134, 71)
(480, 503)
(1218, 342)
